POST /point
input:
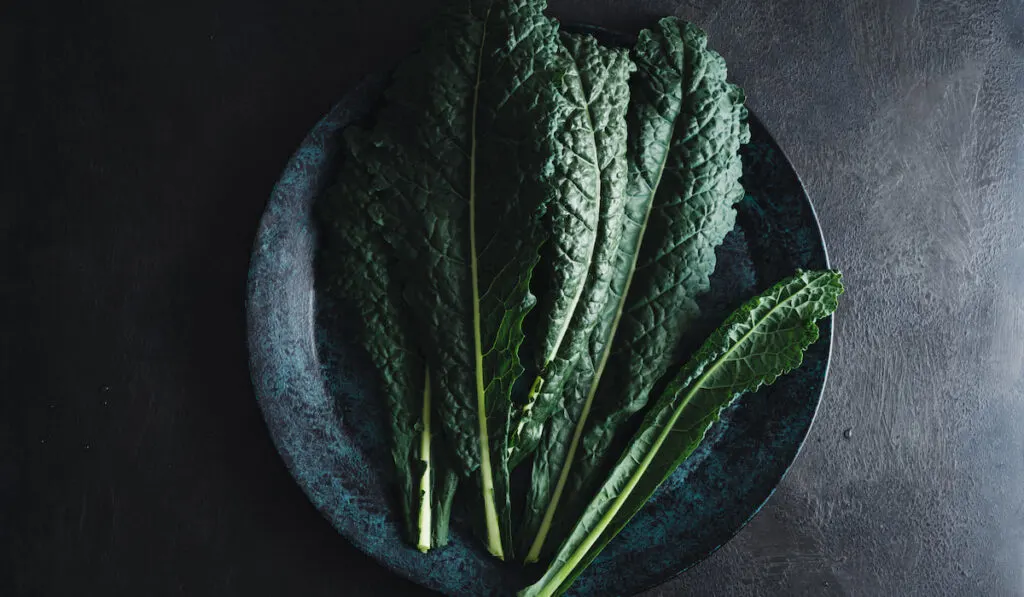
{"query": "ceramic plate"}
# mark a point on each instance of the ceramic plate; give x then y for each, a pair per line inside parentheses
(318, 394)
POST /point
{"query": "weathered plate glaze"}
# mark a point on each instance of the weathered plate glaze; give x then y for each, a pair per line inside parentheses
(317, 391)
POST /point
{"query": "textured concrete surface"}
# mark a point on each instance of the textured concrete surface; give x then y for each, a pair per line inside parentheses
(141, 143)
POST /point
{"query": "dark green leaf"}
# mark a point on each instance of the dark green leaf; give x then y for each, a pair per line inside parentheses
(686, 124)
(467, 128)
(585, 219)
(763, 339)
(360, 271)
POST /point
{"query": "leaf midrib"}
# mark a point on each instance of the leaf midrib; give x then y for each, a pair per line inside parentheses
(563, 476)
(606, 519)
(486, 475)
(593, 239)
(538, 382)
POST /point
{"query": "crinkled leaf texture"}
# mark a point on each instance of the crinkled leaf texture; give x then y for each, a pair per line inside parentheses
(686, 124)
(467, 128)
(360, 271)
(604, 80)
(763, 339)
(585, 220)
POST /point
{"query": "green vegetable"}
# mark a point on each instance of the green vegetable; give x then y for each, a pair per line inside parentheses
(557, 446)
(763, 339)
(360, 271)
(686, 124)
(585, 219)
(438, 480)
(502, 143)
(468, 125)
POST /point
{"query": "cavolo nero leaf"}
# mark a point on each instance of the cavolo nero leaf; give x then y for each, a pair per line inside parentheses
(360, 270)
(764, 339)
(585, 220)
(555, 448)
(686, 124)
(467, 125)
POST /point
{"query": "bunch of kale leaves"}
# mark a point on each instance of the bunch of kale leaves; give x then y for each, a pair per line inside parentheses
(524, 229)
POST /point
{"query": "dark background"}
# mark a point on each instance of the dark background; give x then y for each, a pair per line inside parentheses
(140, 141)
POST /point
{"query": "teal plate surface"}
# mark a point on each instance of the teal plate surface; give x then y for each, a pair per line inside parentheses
(318, 393)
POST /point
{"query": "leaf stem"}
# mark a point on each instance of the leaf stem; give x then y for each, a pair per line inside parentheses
(549, 513)
(566, 569)
(486, 475)
(426, 515)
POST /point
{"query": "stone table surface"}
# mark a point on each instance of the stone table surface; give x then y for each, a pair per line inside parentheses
(141, 141)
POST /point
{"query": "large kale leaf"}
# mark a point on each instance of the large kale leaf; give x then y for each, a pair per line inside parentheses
(694, 179)
(585, 220)
(468, 125)
(686, 124)
(763, 339)
(360, 271)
